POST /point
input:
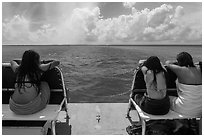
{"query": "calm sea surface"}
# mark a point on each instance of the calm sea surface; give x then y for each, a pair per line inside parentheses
(100, 73)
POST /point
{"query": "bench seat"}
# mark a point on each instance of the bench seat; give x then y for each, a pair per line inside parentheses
(49, 113)
(144, 117)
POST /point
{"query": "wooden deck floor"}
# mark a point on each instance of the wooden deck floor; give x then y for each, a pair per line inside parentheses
(113, 121)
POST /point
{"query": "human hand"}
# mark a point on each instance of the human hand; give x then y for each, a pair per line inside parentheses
(55, 63)
(168, 62)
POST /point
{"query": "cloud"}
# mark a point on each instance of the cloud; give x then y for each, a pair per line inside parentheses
(17, 31)
(17, 26)
(179, 12)
(128, 4)
(86, 25)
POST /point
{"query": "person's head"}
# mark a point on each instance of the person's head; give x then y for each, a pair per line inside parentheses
(29, 67)
(153, 63)
(30, 60)
(185, 59)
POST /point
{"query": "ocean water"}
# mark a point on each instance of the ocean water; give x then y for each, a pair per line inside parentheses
(100, 73)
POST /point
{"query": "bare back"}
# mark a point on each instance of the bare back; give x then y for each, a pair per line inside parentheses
(155, 89)
(189, 75)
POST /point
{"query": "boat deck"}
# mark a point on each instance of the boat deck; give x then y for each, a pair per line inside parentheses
(84, 118)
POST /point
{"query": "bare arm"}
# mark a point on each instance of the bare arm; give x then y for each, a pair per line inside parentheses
(144, 70)
(14, 65)
(48, 66)
(171, 62)
(175, 68)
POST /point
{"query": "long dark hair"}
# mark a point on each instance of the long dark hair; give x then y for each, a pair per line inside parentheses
(153, 63)
(185, 59)
(29, 67)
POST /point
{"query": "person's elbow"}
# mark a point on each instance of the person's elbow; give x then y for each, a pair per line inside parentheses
(12, 62)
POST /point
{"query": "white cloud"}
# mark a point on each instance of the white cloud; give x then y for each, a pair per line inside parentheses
(164, 23)
(17, 26)
(128, 4)
(179, 12)
(78, 28)
(160, 15)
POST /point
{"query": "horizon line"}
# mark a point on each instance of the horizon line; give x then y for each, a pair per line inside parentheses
(98, 44)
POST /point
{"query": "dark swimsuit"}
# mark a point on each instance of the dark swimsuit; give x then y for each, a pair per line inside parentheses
(153, 106)
(34, 84)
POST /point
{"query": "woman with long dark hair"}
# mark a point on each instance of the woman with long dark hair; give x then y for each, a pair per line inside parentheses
(154, 100)
(31, 94)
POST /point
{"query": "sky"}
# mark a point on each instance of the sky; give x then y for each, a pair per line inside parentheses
(101, 23)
